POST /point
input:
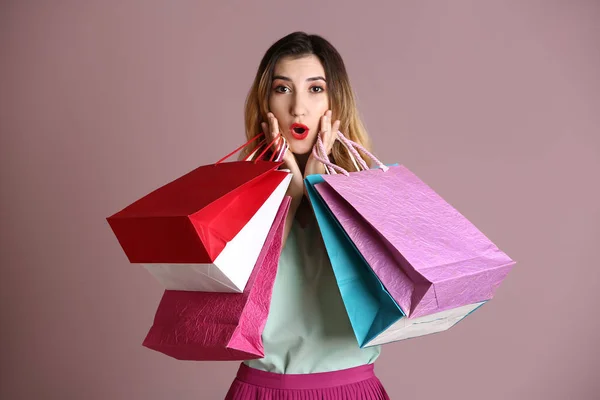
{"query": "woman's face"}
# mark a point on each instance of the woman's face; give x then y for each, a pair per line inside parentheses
(298, 98)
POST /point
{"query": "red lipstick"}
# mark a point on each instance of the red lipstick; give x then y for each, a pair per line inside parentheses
(299, 131)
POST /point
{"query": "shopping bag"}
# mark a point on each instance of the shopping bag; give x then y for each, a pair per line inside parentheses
(220, 326)
(204, 230)
(426, 254)
(374, 315)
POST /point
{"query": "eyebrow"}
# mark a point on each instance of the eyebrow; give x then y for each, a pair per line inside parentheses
(314, 78)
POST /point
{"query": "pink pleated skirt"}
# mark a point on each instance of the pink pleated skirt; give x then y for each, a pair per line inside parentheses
(358, 383)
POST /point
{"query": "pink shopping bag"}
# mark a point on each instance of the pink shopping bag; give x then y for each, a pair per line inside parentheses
(216, 325)
(427, 255)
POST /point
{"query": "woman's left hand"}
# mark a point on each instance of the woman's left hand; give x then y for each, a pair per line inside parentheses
(328, 135)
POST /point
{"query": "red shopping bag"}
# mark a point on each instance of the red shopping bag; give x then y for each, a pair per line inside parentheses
(204, 230)
(220, 326)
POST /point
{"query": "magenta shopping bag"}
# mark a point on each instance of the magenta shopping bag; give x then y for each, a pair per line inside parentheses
(427, 255)
(218, 326)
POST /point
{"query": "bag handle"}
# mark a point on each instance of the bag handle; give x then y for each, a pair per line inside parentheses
(278, 153)
(277, 156)
(354, 155)
(320, 156)
(261, 143)
(352, 146)
(330, 168)
(351, 152)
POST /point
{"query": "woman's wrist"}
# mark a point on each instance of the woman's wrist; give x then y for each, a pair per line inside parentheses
(313, 167)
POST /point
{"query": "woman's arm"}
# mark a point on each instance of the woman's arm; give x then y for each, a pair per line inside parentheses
(296, 188)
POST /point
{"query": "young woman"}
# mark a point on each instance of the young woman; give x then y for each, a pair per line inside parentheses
(301, 90)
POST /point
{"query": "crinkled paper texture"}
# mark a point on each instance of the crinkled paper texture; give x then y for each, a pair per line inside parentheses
(220, 326)
(428, 256)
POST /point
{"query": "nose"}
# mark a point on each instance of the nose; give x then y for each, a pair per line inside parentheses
(297, 106)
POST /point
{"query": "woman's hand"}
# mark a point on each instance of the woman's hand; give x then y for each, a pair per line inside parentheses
(296, 188)
(328, 135)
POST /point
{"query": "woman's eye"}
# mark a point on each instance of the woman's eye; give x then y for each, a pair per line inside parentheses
(281, 89)
(317, 89)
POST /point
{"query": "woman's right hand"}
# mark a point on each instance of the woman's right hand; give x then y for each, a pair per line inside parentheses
(296, 188)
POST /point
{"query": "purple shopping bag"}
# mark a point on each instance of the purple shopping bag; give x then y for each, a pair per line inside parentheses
(427, 255)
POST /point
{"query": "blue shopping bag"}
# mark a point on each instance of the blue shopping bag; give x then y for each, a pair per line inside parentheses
(370, 307)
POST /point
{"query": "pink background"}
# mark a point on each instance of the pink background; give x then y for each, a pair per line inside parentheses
(495, 104)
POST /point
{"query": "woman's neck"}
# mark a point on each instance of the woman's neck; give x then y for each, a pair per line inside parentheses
(302, 159)
(304, 213)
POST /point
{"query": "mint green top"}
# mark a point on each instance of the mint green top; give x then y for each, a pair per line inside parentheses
(308, 330)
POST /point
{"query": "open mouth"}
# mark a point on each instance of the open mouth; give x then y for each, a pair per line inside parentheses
(299, 131)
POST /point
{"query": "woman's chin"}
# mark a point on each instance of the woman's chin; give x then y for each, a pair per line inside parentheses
(301, 148)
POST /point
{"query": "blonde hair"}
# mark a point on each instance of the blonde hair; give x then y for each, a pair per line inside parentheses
(341, 97)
